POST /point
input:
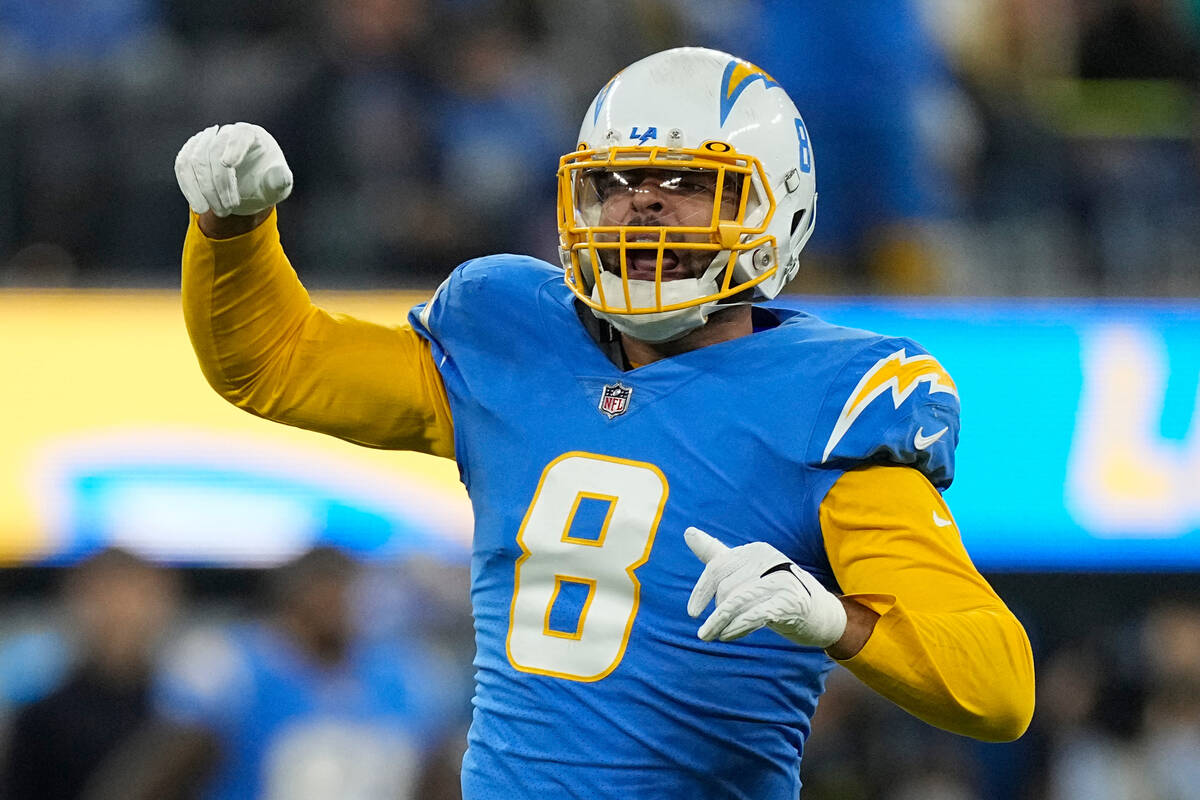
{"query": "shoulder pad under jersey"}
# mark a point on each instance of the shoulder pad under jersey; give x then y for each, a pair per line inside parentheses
(892, 402)
(480, 292)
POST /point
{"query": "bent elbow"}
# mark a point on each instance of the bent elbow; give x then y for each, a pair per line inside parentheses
(1007, 723)
(1000, 717)
(249, 393)
(1008, 711)
(237, 393)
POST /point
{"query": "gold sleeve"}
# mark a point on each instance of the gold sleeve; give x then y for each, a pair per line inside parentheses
(945, 648)
(266, 348)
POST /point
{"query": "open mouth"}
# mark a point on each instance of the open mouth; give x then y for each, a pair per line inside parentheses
(640, 265)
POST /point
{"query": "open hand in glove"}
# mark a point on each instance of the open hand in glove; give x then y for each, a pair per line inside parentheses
(755, 585)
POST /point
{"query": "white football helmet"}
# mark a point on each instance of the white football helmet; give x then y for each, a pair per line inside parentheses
(692, 186)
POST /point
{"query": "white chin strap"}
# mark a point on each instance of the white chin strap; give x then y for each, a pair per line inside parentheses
(657, 326)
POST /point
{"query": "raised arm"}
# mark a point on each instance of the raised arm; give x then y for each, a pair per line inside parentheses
(261, 342)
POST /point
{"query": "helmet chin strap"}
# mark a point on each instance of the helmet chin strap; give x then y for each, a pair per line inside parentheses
(662, 326)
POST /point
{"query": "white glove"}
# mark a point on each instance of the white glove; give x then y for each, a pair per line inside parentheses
(756, 585)
(233, 169)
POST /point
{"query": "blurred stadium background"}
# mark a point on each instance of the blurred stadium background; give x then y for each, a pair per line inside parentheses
(1014, 183)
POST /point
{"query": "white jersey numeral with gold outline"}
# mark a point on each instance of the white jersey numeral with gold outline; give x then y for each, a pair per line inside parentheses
(602, 565)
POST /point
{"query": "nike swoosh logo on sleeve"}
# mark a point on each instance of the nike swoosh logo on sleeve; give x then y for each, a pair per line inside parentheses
(921, 441)
(941, 523)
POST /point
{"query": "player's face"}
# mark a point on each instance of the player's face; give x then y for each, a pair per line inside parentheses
(659, 197)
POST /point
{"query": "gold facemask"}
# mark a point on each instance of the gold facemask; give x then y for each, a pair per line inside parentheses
(732, 187)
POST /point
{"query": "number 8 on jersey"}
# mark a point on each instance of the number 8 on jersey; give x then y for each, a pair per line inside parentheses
(563, 556)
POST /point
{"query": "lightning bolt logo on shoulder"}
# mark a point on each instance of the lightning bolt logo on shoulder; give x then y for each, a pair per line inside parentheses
(899, 373)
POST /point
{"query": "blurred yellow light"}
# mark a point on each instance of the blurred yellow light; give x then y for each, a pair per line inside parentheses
(96, 365)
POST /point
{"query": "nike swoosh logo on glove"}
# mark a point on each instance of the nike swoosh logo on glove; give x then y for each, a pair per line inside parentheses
(786, 567)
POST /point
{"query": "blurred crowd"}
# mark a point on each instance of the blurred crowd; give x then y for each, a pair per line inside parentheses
(1117, 718)
(326, 678)
(321, 678)
(1027, 147)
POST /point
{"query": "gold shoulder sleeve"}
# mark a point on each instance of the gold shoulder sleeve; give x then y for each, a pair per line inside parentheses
(945, 648)
(266, 348)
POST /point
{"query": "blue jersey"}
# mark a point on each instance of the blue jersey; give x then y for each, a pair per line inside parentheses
(591, 681)
(289, 728)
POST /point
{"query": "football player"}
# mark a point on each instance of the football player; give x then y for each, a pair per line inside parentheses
(640, 437)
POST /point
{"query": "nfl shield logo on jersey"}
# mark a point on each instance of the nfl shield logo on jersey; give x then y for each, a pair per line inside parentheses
(614, 400)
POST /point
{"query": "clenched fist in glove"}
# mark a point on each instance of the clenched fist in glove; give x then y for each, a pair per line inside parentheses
(235, 169)
(756, 586)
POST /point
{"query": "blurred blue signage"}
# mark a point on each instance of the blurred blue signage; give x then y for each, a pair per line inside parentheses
(1078, 448)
